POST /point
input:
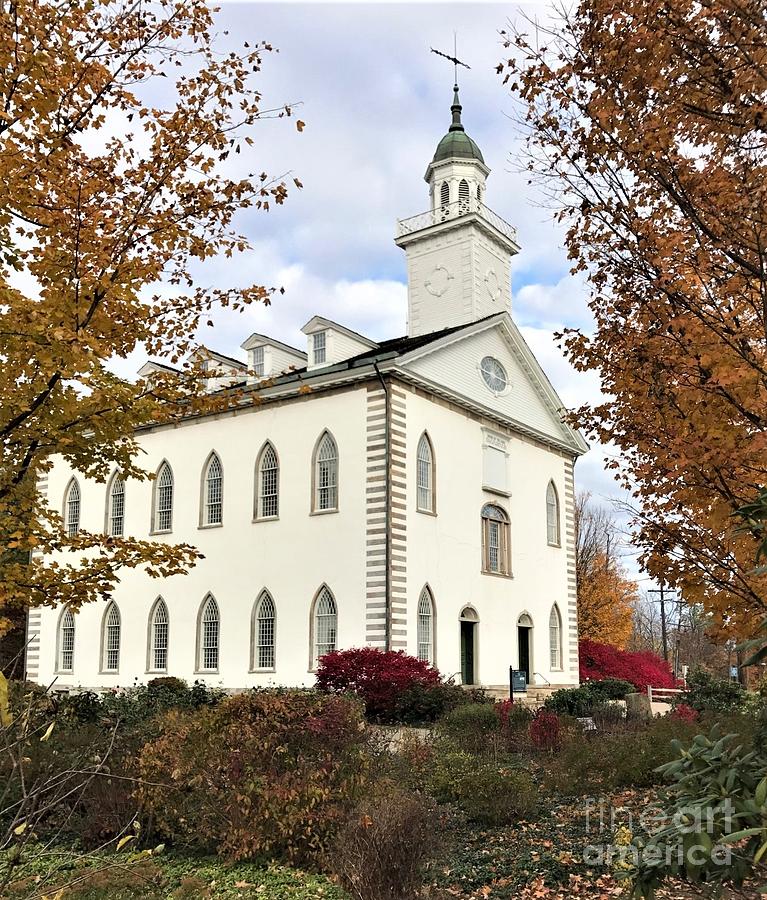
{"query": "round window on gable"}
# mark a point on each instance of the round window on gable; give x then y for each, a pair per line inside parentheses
(494, 374)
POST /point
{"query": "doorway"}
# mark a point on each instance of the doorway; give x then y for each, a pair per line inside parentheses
(525, 645)
(468, 623)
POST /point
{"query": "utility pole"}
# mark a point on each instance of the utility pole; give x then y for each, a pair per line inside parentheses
(663, 629)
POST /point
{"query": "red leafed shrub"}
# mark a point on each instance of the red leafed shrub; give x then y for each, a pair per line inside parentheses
(379, 678)
(684, 713)
(599, 661)
(544, 730)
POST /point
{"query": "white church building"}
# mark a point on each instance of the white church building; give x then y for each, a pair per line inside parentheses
(414, 494)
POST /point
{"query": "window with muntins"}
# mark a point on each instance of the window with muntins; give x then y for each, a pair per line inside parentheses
(213, 506)
(72, 508)
(326, 474)
(555, 638)
(425, 471)
(268, 502)
(258, 362)
(266, 615)
(111, 639)
(325, 625)
(552, 515)
(163, 512)
(319, 347)
(158, 651)
(426, 627)
(495, 540)
(209, 631)
(117, 507)
(66, 641)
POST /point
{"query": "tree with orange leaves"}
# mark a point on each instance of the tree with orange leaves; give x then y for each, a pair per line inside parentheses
(109, 201)
(606, 595)
(647, 126)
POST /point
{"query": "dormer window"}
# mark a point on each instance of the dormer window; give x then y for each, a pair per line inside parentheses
(258, 362)
(319, 347)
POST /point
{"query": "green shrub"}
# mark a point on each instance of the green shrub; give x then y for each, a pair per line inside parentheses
(579, 701)
(610, 688)
(380, 852)
(492, 797)
(446, 774)
(707, 693)
(473, 728)
(269, 773)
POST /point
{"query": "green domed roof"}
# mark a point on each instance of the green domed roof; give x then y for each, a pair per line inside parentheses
(456, 143)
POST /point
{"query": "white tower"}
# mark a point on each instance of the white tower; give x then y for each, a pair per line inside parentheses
(459, 251)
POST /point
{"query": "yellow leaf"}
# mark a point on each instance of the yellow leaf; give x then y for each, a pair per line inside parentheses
(5, 711)
(124, 840)
(20, 829)
(48, 732)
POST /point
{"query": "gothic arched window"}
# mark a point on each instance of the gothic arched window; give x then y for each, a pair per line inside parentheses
(116, 506)
(72, 508)
(212, 491)
(552, 515)
(163, 498)
(463, 195)
(426, 627)
(495, 540)
(110, 639)
(324, 625)
(555, 638)
(158, 637)
(425, 474)
(264, 622)
(208, 635)
(444, 194)
(66, 654)
(325, 474)
(267, 483)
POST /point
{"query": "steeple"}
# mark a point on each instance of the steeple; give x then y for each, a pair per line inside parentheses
(456, 111)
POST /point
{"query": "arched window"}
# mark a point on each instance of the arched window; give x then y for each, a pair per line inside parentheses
(72, 507)
(495, 540)
(425, 472)
(326, 474)
(325, 625)
(208, 632)
(212, 491)
(479, 193)
(463, 195)
(426, 627)
(163, 499)
(268, 483)
(158, 637)
(116, 511)
(66, 641)
(444, 194)
(555, 638)
(110, 639)
(264, 631)
(552, 515)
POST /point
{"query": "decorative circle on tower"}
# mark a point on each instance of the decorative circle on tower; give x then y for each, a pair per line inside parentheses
(438, 281)
(492, 285)
(494, 374)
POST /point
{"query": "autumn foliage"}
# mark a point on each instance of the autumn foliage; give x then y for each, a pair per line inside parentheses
(643, 668)
(646, 126)
(110, 207)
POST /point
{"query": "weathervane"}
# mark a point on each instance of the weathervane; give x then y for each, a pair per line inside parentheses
(454, 58)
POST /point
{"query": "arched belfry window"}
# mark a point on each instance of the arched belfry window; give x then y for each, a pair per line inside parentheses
(212, 491)
(555, 638)
(116, 506)
(552, 515)
(163, 499)
(479, 193)
(264, 620)
(325, 474)
(463, 195)
(324, 625)
(495, 540)
(110, 639)
(267, 483)
(208, 627)
(159, 623)
(426, 626)
(444, 194)
(66, 641)
(72, 508)
(425, 474)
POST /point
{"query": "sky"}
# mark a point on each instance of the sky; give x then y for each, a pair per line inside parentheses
(376, 101)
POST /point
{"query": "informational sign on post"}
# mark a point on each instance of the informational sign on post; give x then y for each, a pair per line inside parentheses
(517, 681)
